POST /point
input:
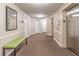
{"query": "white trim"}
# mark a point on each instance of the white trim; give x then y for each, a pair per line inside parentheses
(58, 42)
(33, 33)
(28, 35)
(49, 34)
(57, 31)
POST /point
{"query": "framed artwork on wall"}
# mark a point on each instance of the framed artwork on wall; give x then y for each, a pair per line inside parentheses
(11, 19)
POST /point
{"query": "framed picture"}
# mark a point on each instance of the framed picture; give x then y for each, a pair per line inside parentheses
(11, 19)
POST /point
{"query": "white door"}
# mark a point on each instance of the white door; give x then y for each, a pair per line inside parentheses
(25, 26)
(52, 26)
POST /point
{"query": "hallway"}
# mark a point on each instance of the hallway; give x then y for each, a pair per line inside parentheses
(38, 23)
(43, 45)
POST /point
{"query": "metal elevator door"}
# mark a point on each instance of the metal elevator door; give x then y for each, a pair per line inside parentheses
(73, 29)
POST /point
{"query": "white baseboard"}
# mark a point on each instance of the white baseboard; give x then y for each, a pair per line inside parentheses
(33, 33)
(49, 34)
(58, 42)
(28, 35)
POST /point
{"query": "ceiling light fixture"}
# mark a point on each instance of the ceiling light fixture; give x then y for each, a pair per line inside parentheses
(40, 15)
(75, 15)
(73, 11)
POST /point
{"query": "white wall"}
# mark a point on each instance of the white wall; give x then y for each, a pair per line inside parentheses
(40, 25)
(30, 25)
(59, 26)
(6, 36)
(44, 25)
(49, 27)
(33, 26)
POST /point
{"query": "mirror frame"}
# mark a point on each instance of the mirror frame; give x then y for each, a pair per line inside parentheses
(7, 29)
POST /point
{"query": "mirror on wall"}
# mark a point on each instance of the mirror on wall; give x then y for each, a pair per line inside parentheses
(11, 19)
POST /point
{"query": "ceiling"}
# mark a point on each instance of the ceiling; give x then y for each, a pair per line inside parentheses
(33, 9)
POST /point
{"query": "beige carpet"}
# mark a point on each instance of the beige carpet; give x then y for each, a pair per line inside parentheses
(43, 45)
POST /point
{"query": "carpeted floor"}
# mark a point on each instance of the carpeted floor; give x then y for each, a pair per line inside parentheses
(43, 45)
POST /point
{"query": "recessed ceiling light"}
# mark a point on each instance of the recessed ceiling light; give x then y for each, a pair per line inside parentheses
(75, 15)
(73, 11)
(39, 4)
(40, 15)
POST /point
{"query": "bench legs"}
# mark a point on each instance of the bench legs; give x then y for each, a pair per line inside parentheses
(14, 52)
(3, 51)
(26, 41)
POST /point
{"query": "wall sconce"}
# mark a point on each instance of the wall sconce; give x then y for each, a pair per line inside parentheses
(21, 20)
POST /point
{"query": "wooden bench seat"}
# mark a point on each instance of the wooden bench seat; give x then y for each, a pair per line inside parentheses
(14, 44)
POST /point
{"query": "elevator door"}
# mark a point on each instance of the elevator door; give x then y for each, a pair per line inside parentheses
(73, 29)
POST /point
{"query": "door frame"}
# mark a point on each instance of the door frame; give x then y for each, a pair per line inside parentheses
(64, 12)
(52, 25)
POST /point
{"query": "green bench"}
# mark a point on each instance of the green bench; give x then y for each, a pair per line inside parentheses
(14, 44)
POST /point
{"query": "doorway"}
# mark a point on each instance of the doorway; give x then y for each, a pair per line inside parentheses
(73, 29)
(52, 26)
